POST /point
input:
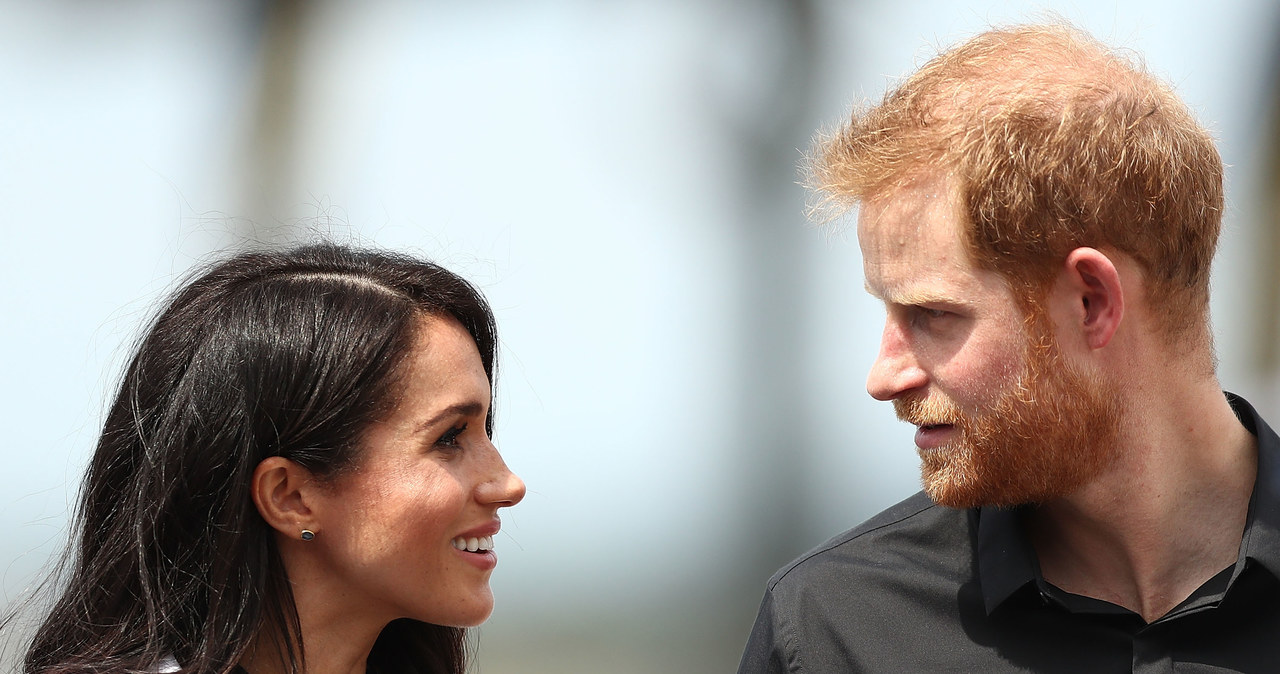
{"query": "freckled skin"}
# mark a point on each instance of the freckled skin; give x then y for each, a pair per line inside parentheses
(914, 258)
(388, 525)
(1002, 419)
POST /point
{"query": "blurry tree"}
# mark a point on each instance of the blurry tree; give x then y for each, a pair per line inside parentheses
(269, 168)
(776, 431)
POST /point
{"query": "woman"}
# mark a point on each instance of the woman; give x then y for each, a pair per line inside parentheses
(295, 476)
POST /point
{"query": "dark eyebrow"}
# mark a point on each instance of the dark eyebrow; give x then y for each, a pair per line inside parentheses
(468, 409)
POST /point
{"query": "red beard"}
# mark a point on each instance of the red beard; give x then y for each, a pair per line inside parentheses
(1044, 437)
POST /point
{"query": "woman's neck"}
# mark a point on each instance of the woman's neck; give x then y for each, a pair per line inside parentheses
(335, 638)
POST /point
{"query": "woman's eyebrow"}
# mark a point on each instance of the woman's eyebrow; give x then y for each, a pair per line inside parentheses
(466, 409)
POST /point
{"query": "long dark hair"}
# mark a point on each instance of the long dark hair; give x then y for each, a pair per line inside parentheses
(288, 354)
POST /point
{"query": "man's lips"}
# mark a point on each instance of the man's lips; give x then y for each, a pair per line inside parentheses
(933, 436)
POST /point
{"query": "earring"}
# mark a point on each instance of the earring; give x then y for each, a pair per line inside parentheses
(308, 534)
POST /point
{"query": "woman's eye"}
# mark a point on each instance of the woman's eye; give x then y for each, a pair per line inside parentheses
(450, 437)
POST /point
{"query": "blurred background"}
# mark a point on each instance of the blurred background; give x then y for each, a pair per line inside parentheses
(683, 356)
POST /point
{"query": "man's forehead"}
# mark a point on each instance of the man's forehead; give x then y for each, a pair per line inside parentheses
(913, 247)
(911, 224)
(910, 210)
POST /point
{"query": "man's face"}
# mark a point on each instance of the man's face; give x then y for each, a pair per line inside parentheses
(1002, 418)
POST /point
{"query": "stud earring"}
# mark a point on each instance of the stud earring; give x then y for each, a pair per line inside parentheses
(308, 534)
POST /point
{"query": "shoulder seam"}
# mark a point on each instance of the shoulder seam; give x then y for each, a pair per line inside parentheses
(791, 644)
(842, 540)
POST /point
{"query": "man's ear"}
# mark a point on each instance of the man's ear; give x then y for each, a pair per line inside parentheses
(1092, 284)
(282, 491)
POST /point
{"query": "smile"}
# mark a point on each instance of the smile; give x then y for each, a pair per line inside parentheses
(481, 544)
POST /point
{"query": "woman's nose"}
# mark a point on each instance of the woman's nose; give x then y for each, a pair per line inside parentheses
(503, 488)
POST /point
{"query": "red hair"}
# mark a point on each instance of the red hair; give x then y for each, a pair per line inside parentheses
(1052, 141)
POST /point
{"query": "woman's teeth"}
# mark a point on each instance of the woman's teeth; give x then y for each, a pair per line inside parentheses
(474, 544)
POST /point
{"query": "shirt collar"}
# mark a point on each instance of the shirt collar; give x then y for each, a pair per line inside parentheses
(1007, 563)
(1261, 541)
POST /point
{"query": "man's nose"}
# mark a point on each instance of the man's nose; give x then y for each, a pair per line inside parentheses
(896, 370)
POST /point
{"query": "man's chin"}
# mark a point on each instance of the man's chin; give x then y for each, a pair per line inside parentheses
(961, 496)
(952, 495)
(950, 478)
(947, 481)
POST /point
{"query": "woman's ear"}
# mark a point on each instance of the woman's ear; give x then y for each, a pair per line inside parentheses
(282, 491)
(1093, 285)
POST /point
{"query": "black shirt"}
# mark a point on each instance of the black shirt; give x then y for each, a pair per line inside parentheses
(924, 588)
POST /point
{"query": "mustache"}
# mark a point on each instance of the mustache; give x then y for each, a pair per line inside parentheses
(927, 411)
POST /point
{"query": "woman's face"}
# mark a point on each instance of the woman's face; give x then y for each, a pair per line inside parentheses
(427, 482)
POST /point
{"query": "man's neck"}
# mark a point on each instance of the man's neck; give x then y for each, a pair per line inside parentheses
(1168, 516)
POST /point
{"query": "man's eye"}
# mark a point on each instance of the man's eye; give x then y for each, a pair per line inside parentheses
(929, 318)
(931, 313)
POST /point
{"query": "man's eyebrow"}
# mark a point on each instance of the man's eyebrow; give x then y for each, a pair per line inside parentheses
(917, 297)
(467, 409)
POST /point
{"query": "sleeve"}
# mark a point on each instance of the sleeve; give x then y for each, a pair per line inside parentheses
(767, 652)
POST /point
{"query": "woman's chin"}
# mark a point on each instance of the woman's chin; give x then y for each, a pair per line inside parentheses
(470, 613)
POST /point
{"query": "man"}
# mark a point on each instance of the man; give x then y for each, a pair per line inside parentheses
(1038, 216)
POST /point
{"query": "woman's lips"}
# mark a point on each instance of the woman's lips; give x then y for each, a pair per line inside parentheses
(481, 557)
(473, 543)
(476, 546)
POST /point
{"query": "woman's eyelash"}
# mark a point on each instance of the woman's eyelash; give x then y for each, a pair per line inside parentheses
(450, 437)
